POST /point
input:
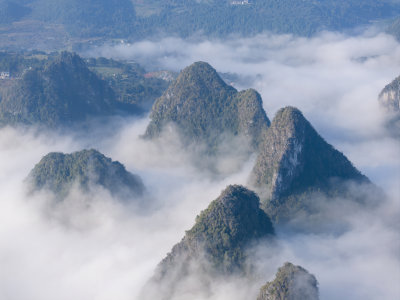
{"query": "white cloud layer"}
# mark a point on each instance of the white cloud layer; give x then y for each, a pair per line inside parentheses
(111, 251)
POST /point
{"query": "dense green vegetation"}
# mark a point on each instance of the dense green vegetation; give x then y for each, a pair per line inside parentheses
(139, 19)
(291, 283)
(17, 63)
(63, 91)
(60, 89)
(204, 107)
(220, 18)
(59, 172)
(129, 82)
(85, 18)
(222, 233)
(294, 162)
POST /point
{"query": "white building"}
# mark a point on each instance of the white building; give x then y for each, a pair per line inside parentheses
(242, 2)
(4, 75)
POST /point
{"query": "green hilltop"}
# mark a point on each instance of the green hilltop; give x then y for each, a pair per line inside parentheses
(203, 108)
(218, 241)
(59, 172)
(63, 89)
(291, 283)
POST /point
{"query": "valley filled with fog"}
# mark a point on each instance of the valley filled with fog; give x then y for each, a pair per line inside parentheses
(98, 248)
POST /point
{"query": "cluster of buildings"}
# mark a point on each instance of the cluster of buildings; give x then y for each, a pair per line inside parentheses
(242, 2)
(4, 75)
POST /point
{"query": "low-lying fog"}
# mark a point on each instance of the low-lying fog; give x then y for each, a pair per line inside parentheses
(109, 251)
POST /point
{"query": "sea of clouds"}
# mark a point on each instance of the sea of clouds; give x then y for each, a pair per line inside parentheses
(109, 251)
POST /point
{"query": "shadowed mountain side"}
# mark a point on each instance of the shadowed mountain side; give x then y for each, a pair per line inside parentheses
(390, 96)
(394, 28)
(215, 245)
(389, 99)
(290, 283)
(59, 173)
(296, 166)
(204, 108)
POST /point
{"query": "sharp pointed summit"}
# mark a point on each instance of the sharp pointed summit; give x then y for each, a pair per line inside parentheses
(217, 243)
(291, 283)
(203, 108)
(295, 160)
(224, 229)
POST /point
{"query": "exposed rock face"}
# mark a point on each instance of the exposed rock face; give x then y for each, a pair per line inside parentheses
(204, 107)
(390, 96)
(291, 283)
(295, 160)
(59, 93)
(217, 243)
(59, 172)
(294, 156)
(394, 29)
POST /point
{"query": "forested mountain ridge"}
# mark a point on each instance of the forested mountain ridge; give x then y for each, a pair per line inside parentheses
(216, 245)
(62, 89)
(204, 108)
(136, 19)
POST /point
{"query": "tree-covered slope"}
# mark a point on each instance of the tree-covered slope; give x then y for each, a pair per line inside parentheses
(216, 244)
(291, 283)
(58, 90)
(59, 173)
(203, 108)
(88, 18)
(299, 17)
(63, 91)
(213, 18)
(130, 82)
(295, 161)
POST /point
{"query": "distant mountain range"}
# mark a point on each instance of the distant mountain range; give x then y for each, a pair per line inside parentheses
(84, 170)
(65, 89)
(136, 19)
